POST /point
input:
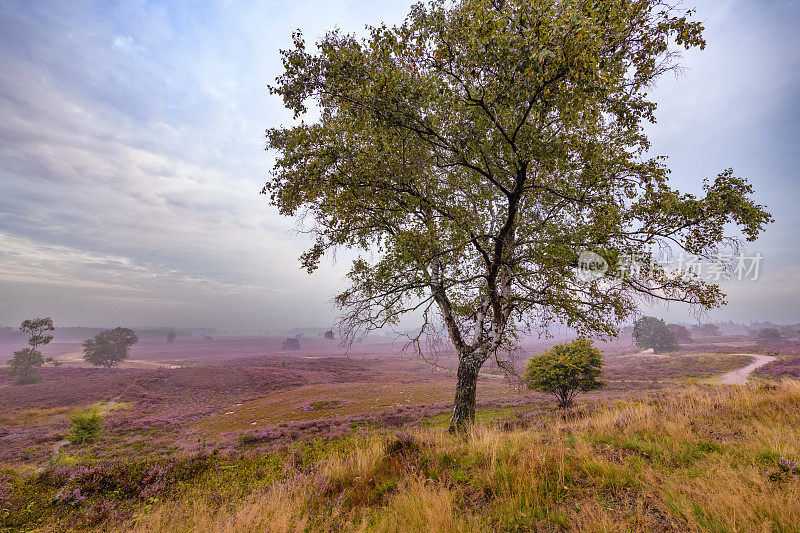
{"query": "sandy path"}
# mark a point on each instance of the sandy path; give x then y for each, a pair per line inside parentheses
(77, 357)
(741, 375)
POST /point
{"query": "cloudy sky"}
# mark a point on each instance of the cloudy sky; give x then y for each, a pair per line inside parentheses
(131, 156)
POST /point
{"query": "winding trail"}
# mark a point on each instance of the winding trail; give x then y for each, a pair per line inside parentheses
(741, 375)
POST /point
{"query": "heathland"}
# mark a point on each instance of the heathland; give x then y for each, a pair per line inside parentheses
(235, 435)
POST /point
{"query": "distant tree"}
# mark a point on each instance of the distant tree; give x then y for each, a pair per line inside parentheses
(565, 370)
(681, 333)
(110, 347)
(329, 335)
(171, 336)
(708, 330)
(651, 332)
(789, 332)
(769, 336)
(27, 361)
(290, 344)
(477, 150)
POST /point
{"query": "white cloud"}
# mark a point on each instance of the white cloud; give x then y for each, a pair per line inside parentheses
(123, 43)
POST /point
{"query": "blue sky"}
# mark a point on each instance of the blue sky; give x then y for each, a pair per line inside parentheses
(131, 156)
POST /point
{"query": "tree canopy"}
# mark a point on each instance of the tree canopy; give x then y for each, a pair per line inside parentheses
(651, 332)
(110, 347)
(681, 333)
(769, 336)
(38, 329)
(476, 150)
(27, 361)
(565, 370)
(711, 330)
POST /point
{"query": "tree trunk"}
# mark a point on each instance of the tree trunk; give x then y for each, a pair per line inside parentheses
(464, 405)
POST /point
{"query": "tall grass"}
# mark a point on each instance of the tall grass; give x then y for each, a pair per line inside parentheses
(700, 459)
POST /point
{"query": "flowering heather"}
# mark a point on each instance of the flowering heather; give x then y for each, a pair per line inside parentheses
(332, 474)
(643, 367)
(5, 488)
(66, 386)
(786, 469)
(296, 410)
(786, 347)
(29, 444)
(785, 367)
(330, 428)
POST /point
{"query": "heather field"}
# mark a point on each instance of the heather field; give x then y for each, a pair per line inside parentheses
(422, 266)
(227, 422)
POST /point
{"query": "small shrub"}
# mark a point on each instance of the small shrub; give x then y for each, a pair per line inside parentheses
(565, 370)
(85, 427)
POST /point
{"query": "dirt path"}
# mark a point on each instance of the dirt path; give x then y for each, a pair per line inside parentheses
(741, 375)
(77, 357)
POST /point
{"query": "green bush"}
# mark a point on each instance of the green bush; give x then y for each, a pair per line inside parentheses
(565, 370)
(324, 404)
(85, 427)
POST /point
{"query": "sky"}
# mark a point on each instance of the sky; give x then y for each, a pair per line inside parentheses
(132, 155)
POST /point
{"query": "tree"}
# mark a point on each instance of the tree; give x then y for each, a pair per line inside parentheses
(329, 335)
(27, 361)
(290, 344)
(110, 347)
(709, 330)
(769, 336)
(476, 151)
(171, 337)
(789, 331)
(651, 332)
(565, 370)
(681, 333)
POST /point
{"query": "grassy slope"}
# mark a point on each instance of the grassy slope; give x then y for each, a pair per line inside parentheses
(704, 459)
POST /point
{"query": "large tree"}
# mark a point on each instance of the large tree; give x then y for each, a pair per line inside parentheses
(476, 150)
(711, 330)
(681, 333)
(652, 332)
(769, 336)
(109, 347)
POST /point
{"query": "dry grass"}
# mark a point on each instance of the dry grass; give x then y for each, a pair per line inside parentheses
(33, 416)
(695, 459)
